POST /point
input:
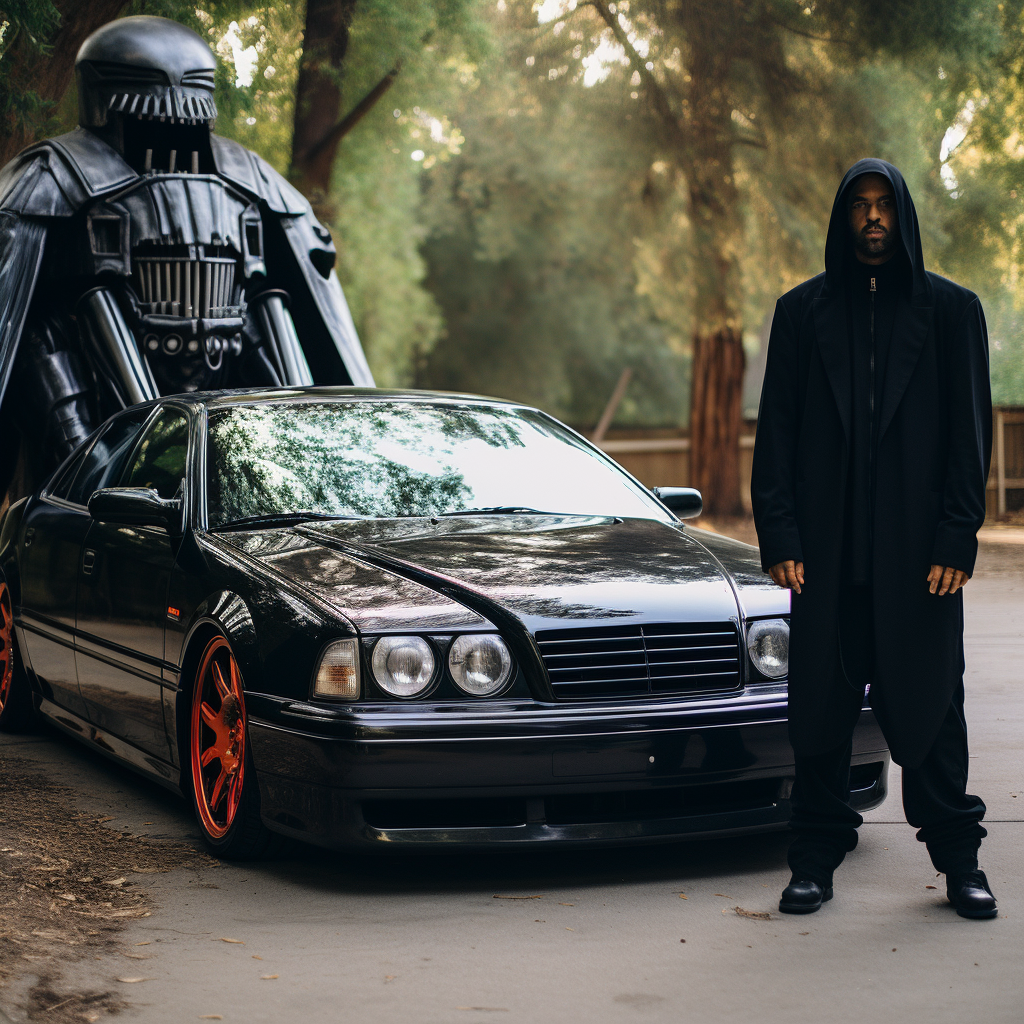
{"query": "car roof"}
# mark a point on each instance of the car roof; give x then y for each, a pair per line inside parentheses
(259, 396)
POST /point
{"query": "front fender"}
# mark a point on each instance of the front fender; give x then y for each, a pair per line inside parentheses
(275, 638)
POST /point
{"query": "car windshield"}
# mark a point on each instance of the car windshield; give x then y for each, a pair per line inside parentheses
(389, 459)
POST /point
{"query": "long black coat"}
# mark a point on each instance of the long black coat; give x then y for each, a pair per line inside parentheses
(934, 444)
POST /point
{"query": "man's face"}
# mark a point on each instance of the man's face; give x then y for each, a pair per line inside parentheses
(873, 218)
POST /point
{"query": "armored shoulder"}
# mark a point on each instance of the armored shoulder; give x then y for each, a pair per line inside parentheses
(56, 177)
(307, 236)
(250, 172)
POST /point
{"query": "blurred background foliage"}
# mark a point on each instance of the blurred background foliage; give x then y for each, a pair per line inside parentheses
(512, 218)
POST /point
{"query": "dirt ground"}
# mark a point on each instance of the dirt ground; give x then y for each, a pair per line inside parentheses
(67, 889)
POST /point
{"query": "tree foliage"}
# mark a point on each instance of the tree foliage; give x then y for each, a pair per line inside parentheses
(809, 88)
(517, 214)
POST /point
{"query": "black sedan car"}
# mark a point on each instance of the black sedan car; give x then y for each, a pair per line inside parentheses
(400, 620)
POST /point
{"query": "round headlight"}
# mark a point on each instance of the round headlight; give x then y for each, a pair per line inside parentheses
(403, 665)
(480, 665)
(768, 645)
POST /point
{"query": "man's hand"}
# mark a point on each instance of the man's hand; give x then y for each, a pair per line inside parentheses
(788, 574)
(945, 579)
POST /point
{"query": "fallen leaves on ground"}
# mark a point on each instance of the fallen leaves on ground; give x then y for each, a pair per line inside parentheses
(132, 981)
(48, 854)
(757, 915)
(267, 977)
(723, 894)
(235, 942)
(683, 896)
(497, 897)
(77, 1007)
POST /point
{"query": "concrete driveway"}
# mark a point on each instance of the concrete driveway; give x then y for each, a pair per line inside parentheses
(601, 936)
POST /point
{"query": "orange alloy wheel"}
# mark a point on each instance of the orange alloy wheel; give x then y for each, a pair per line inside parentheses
(218, 738)
(6, 644)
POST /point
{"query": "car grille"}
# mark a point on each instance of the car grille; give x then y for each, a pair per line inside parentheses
(635, 661)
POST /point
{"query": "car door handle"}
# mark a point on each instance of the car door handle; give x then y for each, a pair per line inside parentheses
(88, 560)
(29, 534)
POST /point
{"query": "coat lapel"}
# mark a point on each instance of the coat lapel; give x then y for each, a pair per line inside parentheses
(834, 346)
(910, 331)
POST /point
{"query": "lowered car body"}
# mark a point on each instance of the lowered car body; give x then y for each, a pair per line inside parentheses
(438, 620)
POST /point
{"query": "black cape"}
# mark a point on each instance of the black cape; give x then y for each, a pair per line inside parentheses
(934, 444)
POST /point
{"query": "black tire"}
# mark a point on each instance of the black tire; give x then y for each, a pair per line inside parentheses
(17, 710)
(225, 790)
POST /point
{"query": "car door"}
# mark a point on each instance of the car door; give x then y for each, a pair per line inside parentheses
(122, 598)
(52, 532)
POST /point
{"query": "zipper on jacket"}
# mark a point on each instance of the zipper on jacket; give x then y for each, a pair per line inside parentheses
(871, 417)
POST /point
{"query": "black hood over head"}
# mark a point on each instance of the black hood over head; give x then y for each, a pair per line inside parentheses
(839, 245)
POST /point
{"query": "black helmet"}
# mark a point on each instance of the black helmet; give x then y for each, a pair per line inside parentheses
(145, 67)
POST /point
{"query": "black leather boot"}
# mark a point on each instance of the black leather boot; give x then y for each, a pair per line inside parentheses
(803, 897)
(971, 895)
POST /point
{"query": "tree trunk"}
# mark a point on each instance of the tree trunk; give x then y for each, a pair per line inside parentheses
(715, 419)
(716, 408)
(702, 141)
(50, 76)
(318, 99)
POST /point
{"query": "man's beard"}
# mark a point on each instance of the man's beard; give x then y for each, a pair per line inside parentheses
(876, 247)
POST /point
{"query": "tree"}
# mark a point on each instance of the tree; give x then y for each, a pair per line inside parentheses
(716, 78)
(533, 234)
(407, 33)
(39, 41)
(319, 127)
(981, 183)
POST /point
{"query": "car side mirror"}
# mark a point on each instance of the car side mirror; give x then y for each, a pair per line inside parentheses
(685, 502)
(136, 506)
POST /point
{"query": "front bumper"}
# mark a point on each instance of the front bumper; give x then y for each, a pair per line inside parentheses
(448, 776)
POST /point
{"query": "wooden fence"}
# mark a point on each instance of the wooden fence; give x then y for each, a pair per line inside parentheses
(662, 458)
(1007, 475)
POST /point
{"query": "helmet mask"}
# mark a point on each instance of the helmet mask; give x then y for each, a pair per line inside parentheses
(145, 85)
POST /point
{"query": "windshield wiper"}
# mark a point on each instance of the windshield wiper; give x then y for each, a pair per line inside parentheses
(497, 510)
(274, 519)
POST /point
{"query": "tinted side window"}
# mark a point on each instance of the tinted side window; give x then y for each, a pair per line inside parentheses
(65, 476)
(105, 461)
(160, 459)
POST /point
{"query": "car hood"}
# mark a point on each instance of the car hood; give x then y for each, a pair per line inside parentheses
(547, 572)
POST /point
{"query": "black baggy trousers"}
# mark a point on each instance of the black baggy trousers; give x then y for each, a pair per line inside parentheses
(935, 796)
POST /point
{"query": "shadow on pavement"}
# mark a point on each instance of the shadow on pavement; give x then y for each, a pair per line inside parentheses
(90, 775)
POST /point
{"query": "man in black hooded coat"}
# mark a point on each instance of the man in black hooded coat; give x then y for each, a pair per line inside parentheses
(870, 468)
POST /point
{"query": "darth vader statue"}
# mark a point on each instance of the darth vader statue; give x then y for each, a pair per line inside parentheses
(142, 255)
